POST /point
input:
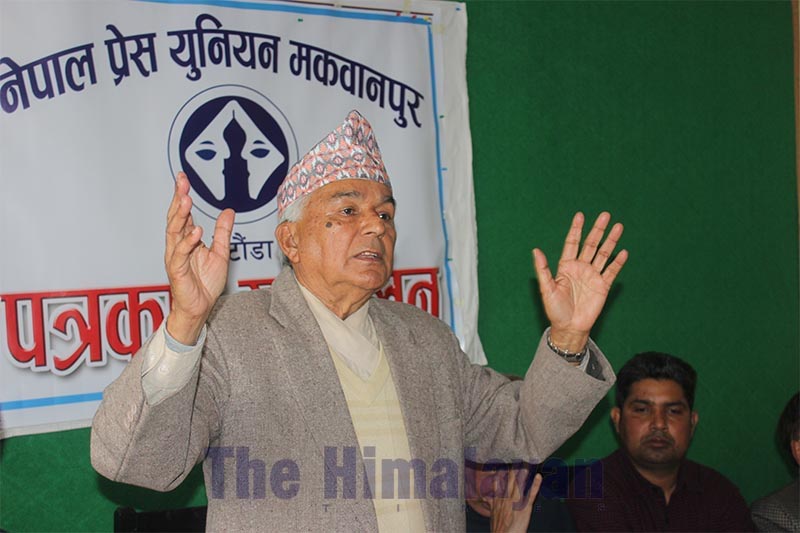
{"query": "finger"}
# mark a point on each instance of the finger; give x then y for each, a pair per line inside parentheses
(179, 226)
(179, 218)
(523, 507)
(614, 268)
(543, 274)
(189, 226)
(512, 485)
(494, 500)
(520, 479)
(573, 240)
(595, 236)
(501, 516)
(537, 484)
(605, 251)
(221, 243)
(498, 486)
(179, 260)
(185, 229)
(181, 189)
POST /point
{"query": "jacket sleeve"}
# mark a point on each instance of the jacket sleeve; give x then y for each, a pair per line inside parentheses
(529, 419)
(156, 446)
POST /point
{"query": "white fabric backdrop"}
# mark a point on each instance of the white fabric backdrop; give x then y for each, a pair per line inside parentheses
(101, 103)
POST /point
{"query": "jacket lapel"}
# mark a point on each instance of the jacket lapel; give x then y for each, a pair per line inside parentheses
(306, 359)
(413, 377)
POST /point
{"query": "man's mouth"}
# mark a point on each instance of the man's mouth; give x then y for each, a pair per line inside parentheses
(369, 255)
(658, 441)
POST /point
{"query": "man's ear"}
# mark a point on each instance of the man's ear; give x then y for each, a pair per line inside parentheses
(615, 414)
(796, 450)
(285, 235)
(695, 420)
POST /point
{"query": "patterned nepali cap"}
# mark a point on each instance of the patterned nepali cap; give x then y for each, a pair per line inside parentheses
(348, 152)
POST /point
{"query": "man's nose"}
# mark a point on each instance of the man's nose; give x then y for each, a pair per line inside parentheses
(659, 419)
(374, 224)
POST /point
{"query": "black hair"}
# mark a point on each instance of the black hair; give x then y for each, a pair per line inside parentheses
(656, 365)
(788, 424)
(498, 466)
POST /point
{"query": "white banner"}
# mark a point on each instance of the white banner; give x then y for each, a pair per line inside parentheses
(102, 103)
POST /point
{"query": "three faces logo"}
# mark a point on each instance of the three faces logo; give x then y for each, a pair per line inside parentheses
(236, 147)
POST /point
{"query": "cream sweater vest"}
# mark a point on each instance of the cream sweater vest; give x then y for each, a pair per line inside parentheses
(375, 411)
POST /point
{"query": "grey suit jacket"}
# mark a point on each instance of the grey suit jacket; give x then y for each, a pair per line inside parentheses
(266, 413)
(780, 511)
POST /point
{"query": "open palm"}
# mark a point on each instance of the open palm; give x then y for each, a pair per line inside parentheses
(197, 273)
(575, 297)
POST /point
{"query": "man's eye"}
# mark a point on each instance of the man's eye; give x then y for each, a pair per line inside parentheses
(348, 210)
(677, 411)
(385, 216)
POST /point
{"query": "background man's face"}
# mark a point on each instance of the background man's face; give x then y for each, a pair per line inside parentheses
(484, 484)
(345, 239)
(655, 424)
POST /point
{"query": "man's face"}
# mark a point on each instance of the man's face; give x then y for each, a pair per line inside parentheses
(343, 246)
(484, 484)
(655, 425)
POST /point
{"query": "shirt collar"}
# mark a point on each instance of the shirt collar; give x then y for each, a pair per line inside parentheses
(353, 339)
(688, 474)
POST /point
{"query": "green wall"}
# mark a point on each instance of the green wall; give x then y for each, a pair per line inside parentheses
(677, 117)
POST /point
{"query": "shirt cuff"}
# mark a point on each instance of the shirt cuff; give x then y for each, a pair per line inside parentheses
(179, 347)
(585, 361)
(168, 365)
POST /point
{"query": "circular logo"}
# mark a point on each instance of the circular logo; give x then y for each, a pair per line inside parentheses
(236, 147)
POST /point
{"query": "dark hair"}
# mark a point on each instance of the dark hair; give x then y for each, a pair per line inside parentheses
(499, 466)
(788, 424)
(656, 365)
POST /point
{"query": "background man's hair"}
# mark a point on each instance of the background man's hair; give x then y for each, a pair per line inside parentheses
(788, 424)
(498, 466)
(656, 365)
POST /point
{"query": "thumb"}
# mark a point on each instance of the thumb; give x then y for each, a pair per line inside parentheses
(543, 274)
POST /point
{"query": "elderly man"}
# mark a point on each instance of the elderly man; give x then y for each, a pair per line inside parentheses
(649, 484)
(336, 402)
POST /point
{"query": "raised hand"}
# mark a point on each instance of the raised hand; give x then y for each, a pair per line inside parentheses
(574, 299)
(510, 512)
(197, 274)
